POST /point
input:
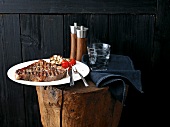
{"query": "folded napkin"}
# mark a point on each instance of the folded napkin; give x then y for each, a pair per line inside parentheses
(120, 73)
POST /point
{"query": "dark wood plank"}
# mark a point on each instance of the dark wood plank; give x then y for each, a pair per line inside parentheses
(3, 86)
(30, 39)
(12, 110)
(162, 41)
(98, 28)
(132, 35)
(161, 59)
(81, 6)
(32, 113)
(42, 37)
(52, 35)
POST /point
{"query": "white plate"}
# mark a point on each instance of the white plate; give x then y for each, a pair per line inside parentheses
(81, 67)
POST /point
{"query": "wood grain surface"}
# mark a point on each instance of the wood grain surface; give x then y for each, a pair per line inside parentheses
(77, 106)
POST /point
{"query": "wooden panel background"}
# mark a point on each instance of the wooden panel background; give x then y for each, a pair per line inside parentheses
(38, 29)
(81, 6)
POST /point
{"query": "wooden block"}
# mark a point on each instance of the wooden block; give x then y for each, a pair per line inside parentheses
(78, 106)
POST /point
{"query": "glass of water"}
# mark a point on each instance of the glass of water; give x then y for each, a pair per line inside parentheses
(99, 55)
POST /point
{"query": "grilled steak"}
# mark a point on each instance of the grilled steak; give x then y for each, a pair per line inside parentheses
(41, 71)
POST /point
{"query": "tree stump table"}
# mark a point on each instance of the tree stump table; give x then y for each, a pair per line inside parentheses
(78, 106)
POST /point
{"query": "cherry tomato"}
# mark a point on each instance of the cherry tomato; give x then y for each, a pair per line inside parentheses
(72, 62)
(65, 64)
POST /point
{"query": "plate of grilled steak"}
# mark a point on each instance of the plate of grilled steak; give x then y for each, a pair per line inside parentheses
(43, 72)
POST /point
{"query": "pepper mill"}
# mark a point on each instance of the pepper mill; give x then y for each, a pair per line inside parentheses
(73, 41)
(81, 42)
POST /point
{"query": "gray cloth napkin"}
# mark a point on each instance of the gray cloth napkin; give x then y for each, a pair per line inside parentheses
(120, 73)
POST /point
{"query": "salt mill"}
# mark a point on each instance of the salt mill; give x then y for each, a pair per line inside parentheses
(81, 42)
(73, 41)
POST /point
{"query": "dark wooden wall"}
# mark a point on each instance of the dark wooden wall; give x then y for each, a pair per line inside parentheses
(38, 29)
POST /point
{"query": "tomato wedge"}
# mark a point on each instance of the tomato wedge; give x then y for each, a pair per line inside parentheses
(72, 62)
(65, 64)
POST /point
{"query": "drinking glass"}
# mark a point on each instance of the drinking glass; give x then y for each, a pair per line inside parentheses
(99, 55)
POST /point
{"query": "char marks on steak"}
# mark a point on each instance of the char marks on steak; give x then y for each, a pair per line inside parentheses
(41, 71)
